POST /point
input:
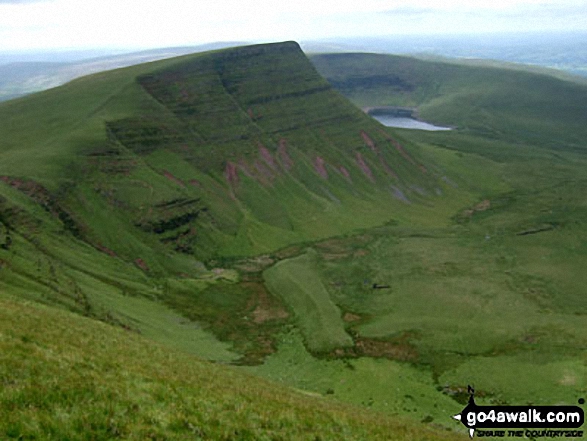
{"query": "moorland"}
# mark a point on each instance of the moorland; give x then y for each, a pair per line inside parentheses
(223, 245)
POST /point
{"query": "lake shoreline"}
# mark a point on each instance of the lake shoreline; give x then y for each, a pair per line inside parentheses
(402, 118)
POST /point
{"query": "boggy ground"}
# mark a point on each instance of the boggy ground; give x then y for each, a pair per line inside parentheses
(409, 316)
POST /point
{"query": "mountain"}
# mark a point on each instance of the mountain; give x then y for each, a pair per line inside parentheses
(230, 153)
(153, 198)
(21, 74)
(486, 300)
(484, 100)
(235, 206)
(148, 181)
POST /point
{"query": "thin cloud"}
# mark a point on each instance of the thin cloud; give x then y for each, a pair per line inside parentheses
(408, 10)
(138, 23)
(18, 2)
(563, 10)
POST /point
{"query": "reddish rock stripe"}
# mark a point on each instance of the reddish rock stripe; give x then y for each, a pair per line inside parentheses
(142, 264)
(267, 157)
(231, 173)
(386, 167)
(401, 150)
(364, 167)
(345, 173)
(106, 250)
(172, 178)
(265, 174)
(284, 157)
(320, 168)
(369, 141)
(244, 167)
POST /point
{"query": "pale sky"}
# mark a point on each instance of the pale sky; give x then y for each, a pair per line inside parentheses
(135, 24)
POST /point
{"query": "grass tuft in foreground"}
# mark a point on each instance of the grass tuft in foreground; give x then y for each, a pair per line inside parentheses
(67, 377)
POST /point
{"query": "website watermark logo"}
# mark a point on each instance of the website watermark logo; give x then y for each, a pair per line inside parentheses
(519, 421)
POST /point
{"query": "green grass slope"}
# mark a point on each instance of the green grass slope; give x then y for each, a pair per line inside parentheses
(135, 188)
(234, 206)
(497, 298)
(126, 387)
(187, 153)
(321, 321)
(494, 102)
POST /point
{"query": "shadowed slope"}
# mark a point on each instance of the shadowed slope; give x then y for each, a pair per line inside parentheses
(233, 152)
(116, 187)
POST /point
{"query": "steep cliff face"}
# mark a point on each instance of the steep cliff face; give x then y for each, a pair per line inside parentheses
(278, 147)
(234, 152)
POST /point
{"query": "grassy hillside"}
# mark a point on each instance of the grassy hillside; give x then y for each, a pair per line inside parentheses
(140, 186)
(496, 299)
(126, 387)
(186, 154)
(234, 206)
(29, 75)
(139, 197)
(494, 102)
(299, 283)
